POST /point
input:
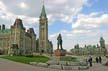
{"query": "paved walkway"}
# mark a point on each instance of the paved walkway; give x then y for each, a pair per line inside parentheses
(6, 65)
(99, 67)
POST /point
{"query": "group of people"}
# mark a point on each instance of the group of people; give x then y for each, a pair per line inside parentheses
(90, 60)
(98, 59)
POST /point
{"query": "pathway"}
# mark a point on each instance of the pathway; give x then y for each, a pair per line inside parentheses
(6, 65)
(99, 67)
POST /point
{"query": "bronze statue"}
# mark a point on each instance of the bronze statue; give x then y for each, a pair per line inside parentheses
(59, 43)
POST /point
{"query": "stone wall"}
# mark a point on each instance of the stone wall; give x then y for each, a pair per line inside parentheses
(62, 65)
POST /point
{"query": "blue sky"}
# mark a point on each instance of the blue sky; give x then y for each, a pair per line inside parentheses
(79, 21)
(96, 6)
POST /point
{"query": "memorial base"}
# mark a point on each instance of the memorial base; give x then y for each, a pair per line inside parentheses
(59, 52)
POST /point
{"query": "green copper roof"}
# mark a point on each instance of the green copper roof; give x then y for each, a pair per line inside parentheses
(43, 13)
(6, 31)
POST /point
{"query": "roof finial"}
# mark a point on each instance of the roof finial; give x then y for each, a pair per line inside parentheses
(43, 2)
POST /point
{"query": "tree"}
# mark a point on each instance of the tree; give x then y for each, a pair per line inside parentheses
(94, 46)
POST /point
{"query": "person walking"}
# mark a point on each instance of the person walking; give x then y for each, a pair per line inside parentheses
(100, 59)
(90, 61)
(97, 60)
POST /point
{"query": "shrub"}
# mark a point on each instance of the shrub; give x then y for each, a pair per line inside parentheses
(29, 55)
(107, 56)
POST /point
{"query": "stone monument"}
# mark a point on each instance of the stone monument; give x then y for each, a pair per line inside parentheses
(60, 51)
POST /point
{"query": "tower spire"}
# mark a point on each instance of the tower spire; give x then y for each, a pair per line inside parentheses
(43, 2)
(43, 13)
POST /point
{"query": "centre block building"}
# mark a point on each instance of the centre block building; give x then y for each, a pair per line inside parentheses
(17, 40)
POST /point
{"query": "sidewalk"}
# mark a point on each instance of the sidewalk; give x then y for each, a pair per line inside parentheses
(6, 65)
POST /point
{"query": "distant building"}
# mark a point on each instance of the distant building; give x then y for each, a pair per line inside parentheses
(88, 50)
(91, 49)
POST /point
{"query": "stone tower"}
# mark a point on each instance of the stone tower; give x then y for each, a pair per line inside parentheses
(43, 31)
(17, 33)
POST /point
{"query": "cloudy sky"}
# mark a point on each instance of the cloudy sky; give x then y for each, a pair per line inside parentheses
(79, 21)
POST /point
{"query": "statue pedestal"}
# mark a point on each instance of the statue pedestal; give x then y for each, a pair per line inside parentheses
(59, 52)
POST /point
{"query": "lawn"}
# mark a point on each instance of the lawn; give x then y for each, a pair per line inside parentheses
(26, 60)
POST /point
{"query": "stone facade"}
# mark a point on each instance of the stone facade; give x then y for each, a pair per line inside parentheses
(100, 48)
(17, 40)
(4, 39)
(17, 35)
(86, 51)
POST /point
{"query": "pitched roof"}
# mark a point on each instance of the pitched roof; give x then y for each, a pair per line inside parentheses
(18, 22)
(43, 13)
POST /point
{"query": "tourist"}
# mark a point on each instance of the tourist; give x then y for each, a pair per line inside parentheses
(100, 59)
(97, 60)
(90, 61)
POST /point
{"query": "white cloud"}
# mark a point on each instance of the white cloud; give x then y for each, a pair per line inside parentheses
(94, 14)
(53, 36)
(2, 6)
(29, 20)
(63, 10)
(81, 31)
(90, 21)
(23, 5)
(58, 2)
(9, 17)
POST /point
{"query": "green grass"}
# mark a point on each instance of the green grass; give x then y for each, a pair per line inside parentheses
(26, 60)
